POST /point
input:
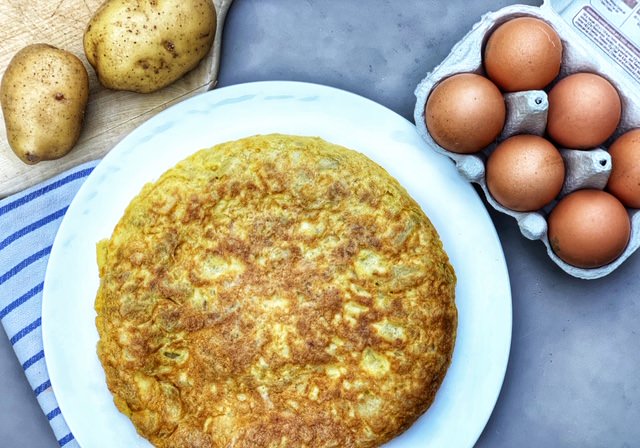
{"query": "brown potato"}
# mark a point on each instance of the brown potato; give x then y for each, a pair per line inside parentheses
(145, 46)
(44, 94)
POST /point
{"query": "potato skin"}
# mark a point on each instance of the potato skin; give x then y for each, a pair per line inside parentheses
(145, 45)
(44, 94)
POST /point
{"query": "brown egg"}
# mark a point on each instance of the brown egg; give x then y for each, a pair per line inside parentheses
(589, 228)
(465, 113)
(624, 181)
(523, 54)
(525, 173)
(584, 111)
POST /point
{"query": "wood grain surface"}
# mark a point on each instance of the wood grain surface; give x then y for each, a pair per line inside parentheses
(110, 114)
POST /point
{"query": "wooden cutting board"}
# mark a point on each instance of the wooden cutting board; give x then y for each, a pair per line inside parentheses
(110, 114)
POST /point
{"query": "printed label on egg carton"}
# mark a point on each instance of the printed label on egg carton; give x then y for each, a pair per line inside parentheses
(595, 37)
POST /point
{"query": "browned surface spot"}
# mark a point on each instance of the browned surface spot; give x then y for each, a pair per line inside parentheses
(274, 291)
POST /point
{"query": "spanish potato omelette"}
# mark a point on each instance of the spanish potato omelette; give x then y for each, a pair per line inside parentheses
(274, 291)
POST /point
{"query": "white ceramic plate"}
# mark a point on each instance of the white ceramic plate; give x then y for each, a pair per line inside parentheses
(469, 392)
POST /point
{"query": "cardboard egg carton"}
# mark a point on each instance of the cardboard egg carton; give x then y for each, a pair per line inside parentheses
(595, 37)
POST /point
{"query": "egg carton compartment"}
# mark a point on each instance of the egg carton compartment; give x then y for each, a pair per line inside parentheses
(527, 113)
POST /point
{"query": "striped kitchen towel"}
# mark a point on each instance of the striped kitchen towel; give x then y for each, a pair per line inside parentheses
(28, 225)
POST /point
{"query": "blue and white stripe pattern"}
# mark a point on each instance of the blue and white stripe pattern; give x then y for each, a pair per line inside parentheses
(28, 225)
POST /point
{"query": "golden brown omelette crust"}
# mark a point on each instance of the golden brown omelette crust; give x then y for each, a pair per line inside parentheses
(275, 291)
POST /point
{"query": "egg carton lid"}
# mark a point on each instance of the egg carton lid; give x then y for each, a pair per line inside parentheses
(612, 28)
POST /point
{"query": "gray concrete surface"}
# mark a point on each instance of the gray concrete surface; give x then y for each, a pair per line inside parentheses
(572, 379)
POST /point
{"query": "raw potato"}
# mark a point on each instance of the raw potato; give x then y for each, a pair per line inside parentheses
(44, 94)
(144, 46)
